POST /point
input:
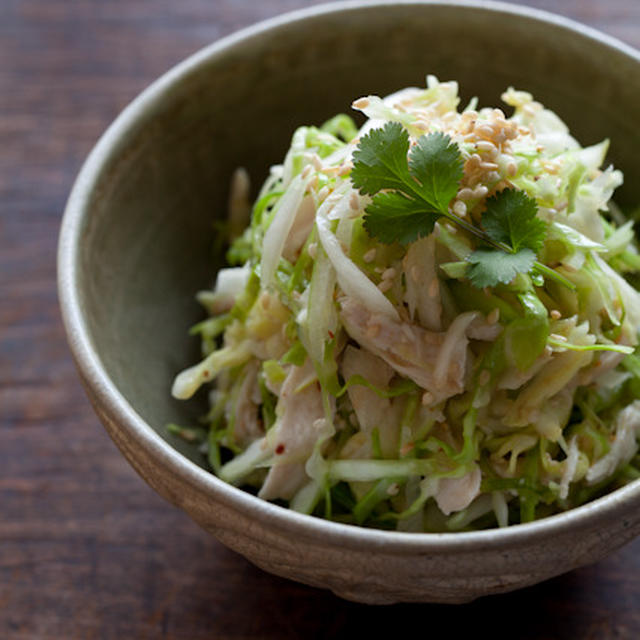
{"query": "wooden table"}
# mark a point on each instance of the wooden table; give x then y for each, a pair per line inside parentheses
(87, 550)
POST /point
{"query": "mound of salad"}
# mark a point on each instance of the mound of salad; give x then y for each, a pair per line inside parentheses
(429, 324)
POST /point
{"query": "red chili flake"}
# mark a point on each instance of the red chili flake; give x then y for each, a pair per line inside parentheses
(331, 334)
(280, 449)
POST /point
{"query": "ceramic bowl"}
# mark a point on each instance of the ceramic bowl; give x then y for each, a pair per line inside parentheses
(137, 236)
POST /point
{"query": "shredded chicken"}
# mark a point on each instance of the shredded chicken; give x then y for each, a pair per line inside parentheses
(372, 410)
(246, 425)
(456, 494)
(300, 416)
(435, 361)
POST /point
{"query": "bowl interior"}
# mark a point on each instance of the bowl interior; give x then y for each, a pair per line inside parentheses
(147, 241)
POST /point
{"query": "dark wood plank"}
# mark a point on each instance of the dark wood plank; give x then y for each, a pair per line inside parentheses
(87, 550)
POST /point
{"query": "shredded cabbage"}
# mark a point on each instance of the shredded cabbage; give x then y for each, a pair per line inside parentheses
(372, 384)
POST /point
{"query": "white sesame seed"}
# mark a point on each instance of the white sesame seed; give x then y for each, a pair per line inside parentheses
(345, 168)
(369, 256)
(460, 208)
(557, 336)
(360, 103)
(393, 489)
(313, 250)
(427, 398)
(306, 171)
(323, 193)
(485, 130)
(415, 273)
(354, 201)
(489, 166)
(480, 191)
(385, 285)
(465, 194)
(493, 176)
(493, 316)
(315, 161)
(474, 161)
(555, 314)
(512, 168)
(487, 147)
(389, 274)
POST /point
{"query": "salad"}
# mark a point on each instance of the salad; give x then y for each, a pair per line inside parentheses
(429, 323)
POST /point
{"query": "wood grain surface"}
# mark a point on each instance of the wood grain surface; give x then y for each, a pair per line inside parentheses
(87, 550)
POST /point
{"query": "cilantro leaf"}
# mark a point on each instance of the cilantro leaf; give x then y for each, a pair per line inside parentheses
(489, 267)
(510, 218)
(393, 217)
(411, 190)
(436, 163)
(380, 161)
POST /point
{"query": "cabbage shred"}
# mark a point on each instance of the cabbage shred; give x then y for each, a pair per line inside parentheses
(370, 358)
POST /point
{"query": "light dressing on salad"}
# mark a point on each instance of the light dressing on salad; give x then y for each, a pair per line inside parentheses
(429, 323)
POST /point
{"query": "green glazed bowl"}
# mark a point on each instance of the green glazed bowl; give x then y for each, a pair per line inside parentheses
(137, 237)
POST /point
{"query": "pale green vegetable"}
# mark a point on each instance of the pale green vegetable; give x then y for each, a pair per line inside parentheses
(372, 382)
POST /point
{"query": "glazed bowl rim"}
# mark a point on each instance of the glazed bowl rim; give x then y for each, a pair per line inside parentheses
(104, 391)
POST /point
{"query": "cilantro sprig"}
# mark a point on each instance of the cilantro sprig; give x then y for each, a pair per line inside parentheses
(412, 189)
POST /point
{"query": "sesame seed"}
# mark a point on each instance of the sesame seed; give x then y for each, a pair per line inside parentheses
(316, 162)
(393, 489)
(313, 250)
(465, 194)
(385, 285)
(474, 161)
(427, 398)
(512, 169)
(487, 147)
(369, 256)
(345, 168)
(323, 193)
(555, 314)
(493, 316)
(415, 273)
(389, 274)
(489, 166)
(360, 103)
(480, 191)
(460, 208)
(557, 336)
(306, 171)
(485, 130)
(433, 288)
(354, 201)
